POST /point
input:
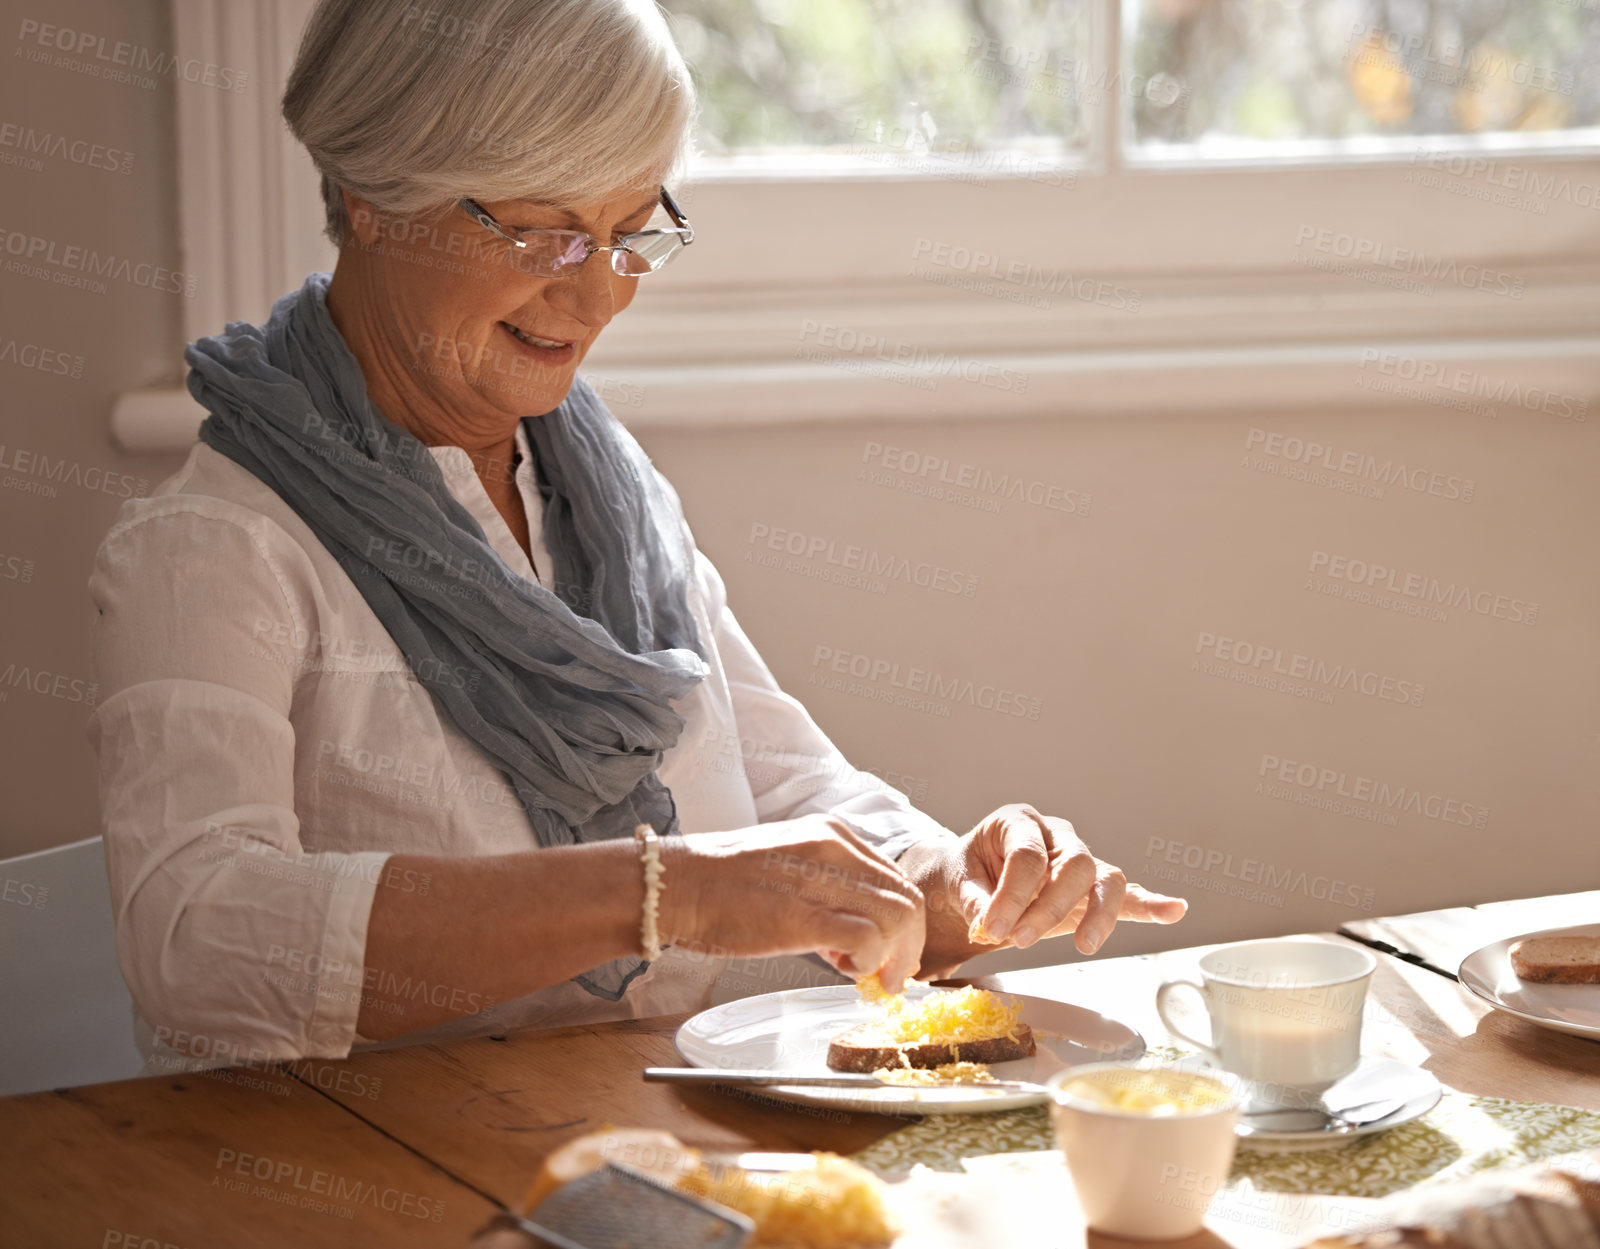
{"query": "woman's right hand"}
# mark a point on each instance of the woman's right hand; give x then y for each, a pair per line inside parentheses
(793, 887)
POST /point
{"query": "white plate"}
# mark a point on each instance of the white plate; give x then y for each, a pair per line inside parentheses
(790, 1031)
(1373, 1078)
(1573, 1008)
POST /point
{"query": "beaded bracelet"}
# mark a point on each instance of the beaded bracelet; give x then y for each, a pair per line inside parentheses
(650, 856)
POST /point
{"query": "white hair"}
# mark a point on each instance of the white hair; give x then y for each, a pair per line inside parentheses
(413, 106)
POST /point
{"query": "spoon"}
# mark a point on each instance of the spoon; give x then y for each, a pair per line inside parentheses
(1327, 1118)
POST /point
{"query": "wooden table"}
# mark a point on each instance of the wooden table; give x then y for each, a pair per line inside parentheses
(419, 1146)
(1441, 939)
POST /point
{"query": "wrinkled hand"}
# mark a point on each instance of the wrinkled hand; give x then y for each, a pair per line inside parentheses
(793, 887)
(1017, 878)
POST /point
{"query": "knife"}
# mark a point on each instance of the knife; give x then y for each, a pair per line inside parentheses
(838, 1079)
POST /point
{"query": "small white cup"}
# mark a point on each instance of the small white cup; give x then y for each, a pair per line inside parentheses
(1285, 1015)
(1147, 1172)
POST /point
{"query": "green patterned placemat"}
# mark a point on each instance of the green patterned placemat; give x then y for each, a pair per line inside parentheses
(1459, 1136)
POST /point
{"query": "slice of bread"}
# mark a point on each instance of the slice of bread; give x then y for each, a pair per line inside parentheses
(865, 1048)
(1557, 960)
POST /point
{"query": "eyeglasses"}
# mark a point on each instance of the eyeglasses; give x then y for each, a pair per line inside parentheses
(561, 253)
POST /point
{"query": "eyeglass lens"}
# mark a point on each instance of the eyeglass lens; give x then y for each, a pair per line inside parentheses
(555, 254)
(647, 251)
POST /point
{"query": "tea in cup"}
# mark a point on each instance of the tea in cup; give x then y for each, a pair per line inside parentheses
(1285, 1015)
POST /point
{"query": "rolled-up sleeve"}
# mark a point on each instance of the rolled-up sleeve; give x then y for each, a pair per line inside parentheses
(236, 943)
(792, 766)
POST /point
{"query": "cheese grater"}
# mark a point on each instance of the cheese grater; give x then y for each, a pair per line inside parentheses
(617, 1207)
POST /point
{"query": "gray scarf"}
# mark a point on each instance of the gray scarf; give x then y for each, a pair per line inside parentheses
(574, 705)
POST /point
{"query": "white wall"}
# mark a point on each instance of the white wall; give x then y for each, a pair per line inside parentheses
(1148, 743)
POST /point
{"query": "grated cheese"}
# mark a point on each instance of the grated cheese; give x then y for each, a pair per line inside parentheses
(835, 1203)
(947, 1017)
(945, 1073)
(871, 989)
(977, 934)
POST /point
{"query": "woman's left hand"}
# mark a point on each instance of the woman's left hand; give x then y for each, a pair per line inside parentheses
(1017, 878)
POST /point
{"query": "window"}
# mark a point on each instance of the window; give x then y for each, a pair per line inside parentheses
(1332, 72)
(1258, 195)
(1157, 204)
(878, 78)
(898, 79)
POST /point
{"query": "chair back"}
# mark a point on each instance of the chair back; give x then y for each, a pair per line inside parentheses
(65, 1014)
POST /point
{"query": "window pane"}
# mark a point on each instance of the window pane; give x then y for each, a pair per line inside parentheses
(894, 81)
(1254, 70)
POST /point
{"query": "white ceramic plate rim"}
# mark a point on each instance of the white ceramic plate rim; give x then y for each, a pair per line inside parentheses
(1477, 974)
(911, 1100)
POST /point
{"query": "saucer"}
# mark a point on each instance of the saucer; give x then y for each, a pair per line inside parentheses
(1264, 1128)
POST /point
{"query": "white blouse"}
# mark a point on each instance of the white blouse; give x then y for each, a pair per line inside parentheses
(264, 747)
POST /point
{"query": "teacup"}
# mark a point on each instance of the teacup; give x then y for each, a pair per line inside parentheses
(1285, 1015)
(1148, 1146)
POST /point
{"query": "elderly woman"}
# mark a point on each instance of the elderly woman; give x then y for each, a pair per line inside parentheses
(422, 714)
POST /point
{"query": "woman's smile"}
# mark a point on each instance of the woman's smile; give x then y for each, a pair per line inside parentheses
(548, 351)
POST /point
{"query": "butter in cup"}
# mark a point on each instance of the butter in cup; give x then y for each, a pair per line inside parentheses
(1148, 1145)
(1155, 1091)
